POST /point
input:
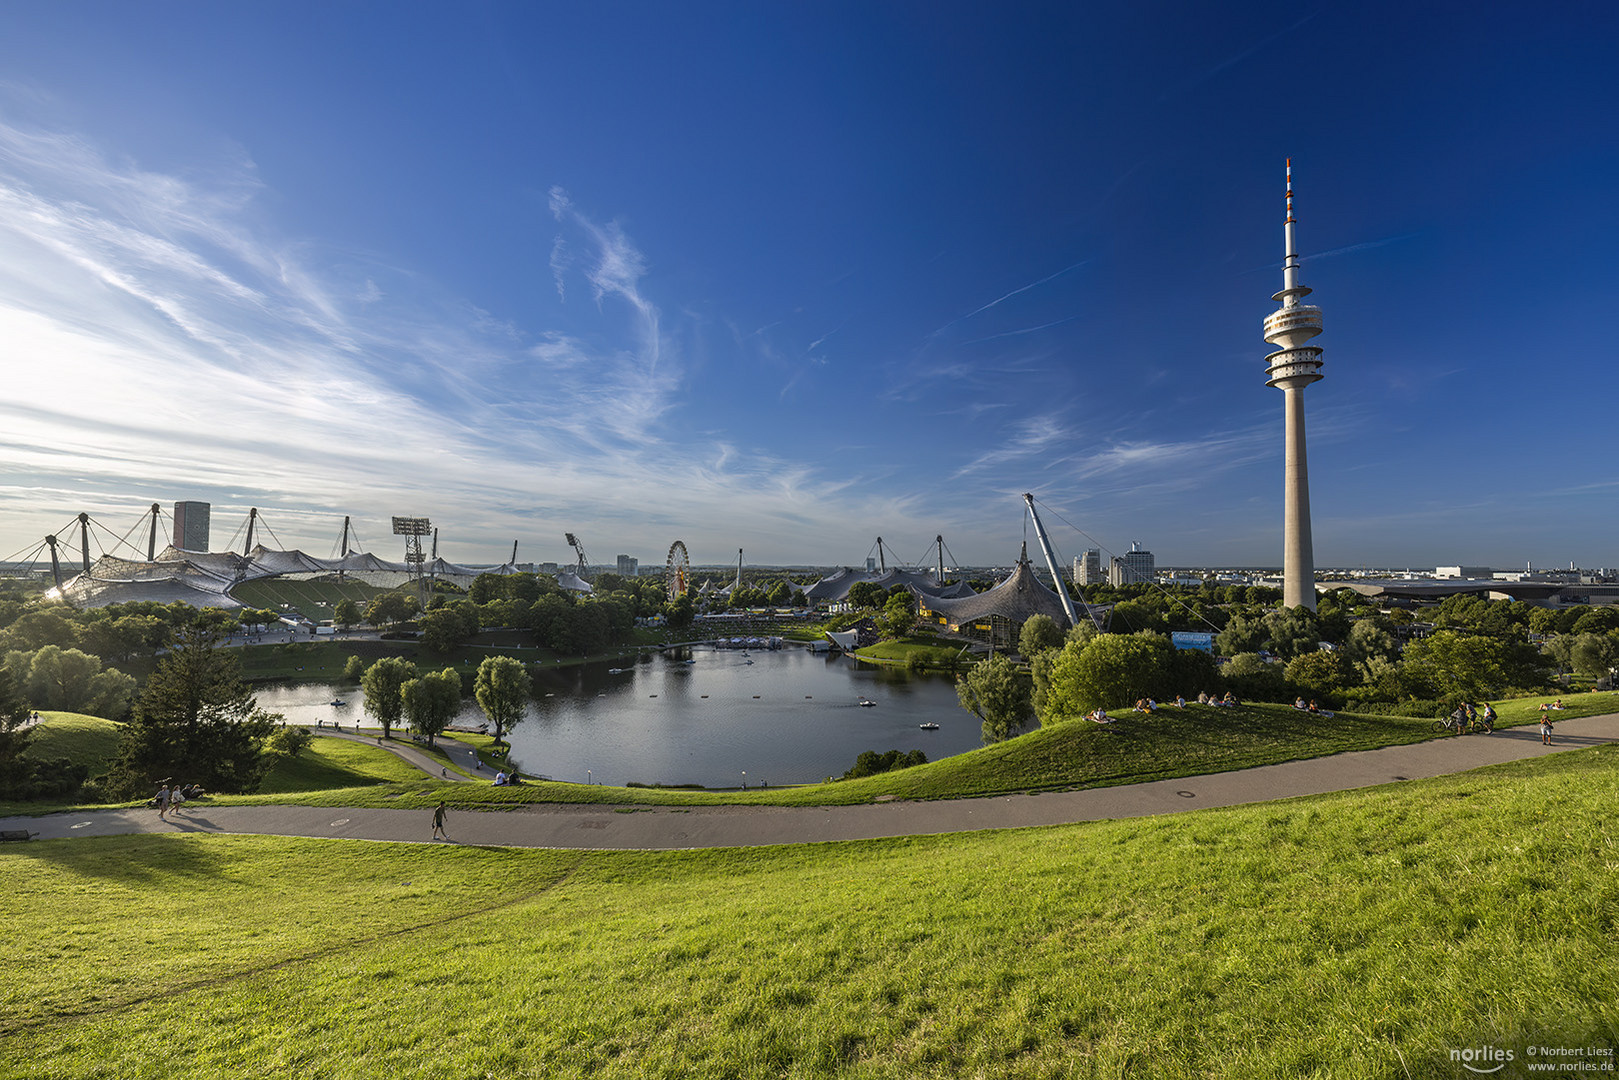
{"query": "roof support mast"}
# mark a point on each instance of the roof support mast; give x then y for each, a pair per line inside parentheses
(1051, 563)
(151, 541)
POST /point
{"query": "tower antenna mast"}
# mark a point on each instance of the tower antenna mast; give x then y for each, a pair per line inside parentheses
(1293, 366)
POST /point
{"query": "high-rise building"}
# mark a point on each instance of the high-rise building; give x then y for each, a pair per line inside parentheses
(1134, 567)
(1293, 366)
(1088, 568)
(191, 526)
(628, 566)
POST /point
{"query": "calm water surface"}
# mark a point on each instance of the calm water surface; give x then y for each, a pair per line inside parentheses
(788, 717)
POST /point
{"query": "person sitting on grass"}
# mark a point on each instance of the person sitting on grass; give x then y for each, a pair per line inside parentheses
(1298, 703)
(1180, 701)
(1229, 699)
(1099, 715)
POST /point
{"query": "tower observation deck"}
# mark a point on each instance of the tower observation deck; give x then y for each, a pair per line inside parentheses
(1293, 366)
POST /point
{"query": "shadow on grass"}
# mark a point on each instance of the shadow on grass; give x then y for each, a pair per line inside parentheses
(139, 859)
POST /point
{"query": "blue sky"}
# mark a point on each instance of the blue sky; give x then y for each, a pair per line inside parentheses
(787, 277)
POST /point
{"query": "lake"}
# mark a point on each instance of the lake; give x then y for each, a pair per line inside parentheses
(788, 717)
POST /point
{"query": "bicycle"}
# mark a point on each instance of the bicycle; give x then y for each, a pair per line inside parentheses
(1451, 724)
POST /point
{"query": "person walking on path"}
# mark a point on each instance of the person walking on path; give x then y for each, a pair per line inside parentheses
(438, 822)
(1545, 727)
(163, 801)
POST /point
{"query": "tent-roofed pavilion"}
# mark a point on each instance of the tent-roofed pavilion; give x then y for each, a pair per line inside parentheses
(834, 588)
(1014, 601)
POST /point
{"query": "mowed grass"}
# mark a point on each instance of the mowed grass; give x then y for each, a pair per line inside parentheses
(337, 763)
(1355, 935)
(81, 739)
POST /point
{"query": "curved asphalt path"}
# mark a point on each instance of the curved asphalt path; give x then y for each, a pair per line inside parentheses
(597, 827)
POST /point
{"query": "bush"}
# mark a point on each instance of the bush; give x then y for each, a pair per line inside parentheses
(288, 742)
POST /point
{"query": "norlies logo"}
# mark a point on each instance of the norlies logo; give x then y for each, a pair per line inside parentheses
(1492, 1056)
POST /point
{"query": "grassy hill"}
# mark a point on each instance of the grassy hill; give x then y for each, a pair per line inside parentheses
(1356, 935)
(337, 763)
(86, 740)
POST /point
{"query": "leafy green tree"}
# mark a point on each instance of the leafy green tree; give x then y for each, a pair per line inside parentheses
(1110, 669)
(1242, 634)
(1368, 641)
(1319, 674)
(432, 701)
(36, 629)
(16, 772)
(502, 688)
(1473, 667)
(899, 615)
(681, 611)
(996, 693)
(353, 668)
(72, 681)
(1039, 634)
(381, 684)
(1292, 631)
(346, 613)
(451, 625)
(1594, 655)
(863, 594)
(286, 743)
(1250, 675)
(390, 609)
(195, 721)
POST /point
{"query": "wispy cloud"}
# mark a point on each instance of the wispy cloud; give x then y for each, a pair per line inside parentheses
(1007, 296)
(169, 345)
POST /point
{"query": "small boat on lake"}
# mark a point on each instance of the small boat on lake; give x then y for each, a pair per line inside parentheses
(866, 703)
(929, 726)
(337, 703)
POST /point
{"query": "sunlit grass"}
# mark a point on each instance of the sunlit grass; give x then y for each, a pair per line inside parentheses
(1354, 935)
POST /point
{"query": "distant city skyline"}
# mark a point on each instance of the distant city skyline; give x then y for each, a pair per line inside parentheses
(788, 279)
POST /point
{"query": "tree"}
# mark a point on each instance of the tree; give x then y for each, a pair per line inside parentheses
(1319, 674)
(1111, 669)
(346, 613)
(1368, 641)
(997, 694)
(72, 681)
(863, 594)
(353, 668)
(16, 773)
(36, 629)
(1594, 654)
(1039, 633)
(1473, 667)
(502, 689)
(390, 608)
(1252, 676)
(432, 701)
(1292, 631)
(1242, 635)
(899, 614)
(196, 721)
(381, 683)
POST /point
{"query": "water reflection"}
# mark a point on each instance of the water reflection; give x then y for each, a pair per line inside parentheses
(702, 716)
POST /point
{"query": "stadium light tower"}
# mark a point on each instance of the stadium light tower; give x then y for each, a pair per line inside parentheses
(1293, 366)
(413, 529)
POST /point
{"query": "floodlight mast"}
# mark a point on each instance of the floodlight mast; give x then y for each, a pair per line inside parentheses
(414, 528)
(1051, 563)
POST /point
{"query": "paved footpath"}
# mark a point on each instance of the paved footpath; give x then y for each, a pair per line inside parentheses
(672, 827)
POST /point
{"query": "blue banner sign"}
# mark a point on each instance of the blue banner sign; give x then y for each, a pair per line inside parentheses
(1187, 639)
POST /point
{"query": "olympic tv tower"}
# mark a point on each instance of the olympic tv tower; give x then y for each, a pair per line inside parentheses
(1293, 366)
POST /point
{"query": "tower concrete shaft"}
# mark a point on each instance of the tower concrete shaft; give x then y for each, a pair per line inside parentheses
(1293, 366)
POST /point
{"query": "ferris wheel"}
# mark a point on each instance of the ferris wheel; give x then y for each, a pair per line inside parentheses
(678, 570)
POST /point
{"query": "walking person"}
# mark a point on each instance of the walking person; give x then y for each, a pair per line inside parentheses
(1546, 728)
(163, 801)
(438, 822)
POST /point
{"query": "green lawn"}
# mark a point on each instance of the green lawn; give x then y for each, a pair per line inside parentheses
(83, 740)
(933, 652)
(316, 600)
(1350, 936)
(337, 763)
